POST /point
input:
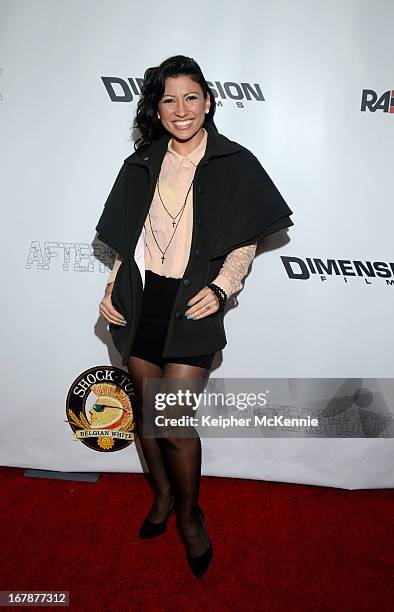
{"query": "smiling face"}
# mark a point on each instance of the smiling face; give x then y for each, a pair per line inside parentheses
(182, 111)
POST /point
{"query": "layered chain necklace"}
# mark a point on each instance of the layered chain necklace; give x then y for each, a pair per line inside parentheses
(174, 223)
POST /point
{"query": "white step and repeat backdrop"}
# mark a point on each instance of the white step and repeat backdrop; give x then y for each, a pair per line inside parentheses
(304, 85)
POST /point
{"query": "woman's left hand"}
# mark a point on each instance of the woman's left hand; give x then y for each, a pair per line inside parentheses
(203, 304)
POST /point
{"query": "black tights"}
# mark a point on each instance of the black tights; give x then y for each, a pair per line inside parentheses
(174, 462)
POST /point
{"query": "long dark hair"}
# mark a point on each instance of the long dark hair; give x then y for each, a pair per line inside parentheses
(152, 90)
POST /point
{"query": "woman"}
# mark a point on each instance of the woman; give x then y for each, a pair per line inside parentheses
(196, 203)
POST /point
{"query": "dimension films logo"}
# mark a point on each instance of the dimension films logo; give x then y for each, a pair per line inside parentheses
(99, 409)
(370, 102)
(121, 90)
(302, 269)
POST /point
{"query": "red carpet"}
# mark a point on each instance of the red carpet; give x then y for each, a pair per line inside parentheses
(276, 546)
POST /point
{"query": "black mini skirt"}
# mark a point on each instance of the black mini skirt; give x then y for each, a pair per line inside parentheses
(158, 299)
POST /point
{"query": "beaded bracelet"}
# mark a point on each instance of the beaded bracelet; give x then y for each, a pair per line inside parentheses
(222, 291)
(220, 294)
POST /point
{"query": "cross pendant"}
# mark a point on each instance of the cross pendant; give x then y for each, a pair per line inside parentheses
(162, 259)
(173, 224)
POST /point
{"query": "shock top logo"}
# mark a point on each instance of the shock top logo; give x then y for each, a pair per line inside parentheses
(99, 409)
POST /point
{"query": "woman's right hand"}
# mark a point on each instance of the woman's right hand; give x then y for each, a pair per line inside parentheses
(107, 310)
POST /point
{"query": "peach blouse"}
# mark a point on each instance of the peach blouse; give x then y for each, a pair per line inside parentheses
(169, 211)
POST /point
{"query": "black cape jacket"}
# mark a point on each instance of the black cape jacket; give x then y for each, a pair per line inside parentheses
(235, 203)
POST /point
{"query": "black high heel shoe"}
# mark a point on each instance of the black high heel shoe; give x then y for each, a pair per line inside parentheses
(200, 564)
(151, 530)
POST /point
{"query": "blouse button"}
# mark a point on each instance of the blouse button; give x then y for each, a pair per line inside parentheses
(197, 253)
(187, 282)
(178, 315)
(199, 221)
(200, 189)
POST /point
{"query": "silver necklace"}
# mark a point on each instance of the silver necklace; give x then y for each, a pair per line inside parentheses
(173, 222)
(181, 209)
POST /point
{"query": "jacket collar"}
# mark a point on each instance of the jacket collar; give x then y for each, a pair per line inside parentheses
(218, 145)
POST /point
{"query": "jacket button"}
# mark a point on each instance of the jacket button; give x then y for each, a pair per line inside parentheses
(197, 253)
(200, 189)
(178, 315)
(187, 282)
(199, 221)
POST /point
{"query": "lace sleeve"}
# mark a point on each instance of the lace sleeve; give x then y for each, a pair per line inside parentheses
(235, 268)
(117, 262)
